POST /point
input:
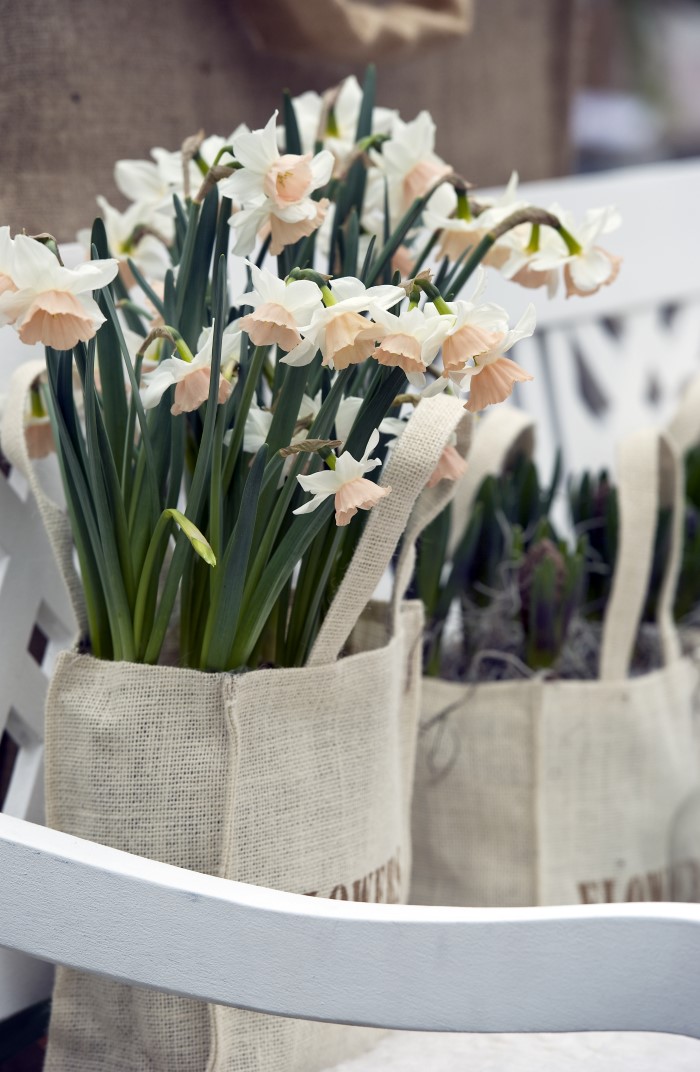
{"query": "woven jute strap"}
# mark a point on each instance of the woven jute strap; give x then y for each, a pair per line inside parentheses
(649, 473)
(684, 427)
(409, 508)
(56, 523)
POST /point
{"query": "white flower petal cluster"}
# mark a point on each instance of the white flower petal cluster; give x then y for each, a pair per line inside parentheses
(191, 380)
(341, 115)
(274, 190)
(347, 483)
(334, 329)
(584, 272)
(44, 301)
(280, 308)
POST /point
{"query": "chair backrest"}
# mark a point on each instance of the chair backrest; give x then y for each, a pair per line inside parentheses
(618, 360)
(584, 968)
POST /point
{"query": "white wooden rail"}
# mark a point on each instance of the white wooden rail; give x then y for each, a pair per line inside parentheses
(599, 967)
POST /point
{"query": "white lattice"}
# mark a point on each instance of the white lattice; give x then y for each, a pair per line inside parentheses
(35, 622)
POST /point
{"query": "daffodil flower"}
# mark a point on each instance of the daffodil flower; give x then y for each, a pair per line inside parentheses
(274, 190)
(191, 379)
(586, 266)
(491, 378)
(51, 304)
(334, 330)
(278, 308)
(347, 483)
(409, 341)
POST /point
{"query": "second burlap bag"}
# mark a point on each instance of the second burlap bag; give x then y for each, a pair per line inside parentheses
(562, 792)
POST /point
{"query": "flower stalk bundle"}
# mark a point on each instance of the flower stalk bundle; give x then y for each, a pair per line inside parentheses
(529, 597)
(255, 329)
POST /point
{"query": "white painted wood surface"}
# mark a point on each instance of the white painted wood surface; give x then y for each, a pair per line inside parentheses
(598, 967)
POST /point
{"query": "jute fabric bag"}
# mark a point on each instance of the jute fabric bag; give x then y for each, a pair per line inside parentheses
(544, 792)
(296, 779)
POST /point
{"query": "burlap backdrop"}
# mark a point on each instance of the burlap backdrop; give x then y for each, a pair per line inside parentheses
(544, 792)
(103, 82)
(296, 779)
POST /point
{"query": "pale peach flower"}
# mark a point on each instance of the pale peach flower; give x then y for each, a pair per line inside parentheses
(585, 271)
(409, 341)
(274, 191)
(55, 318)
(451, 466)
(346, 340)
(192, 391)
(492, 383)
(191, 379)
(279, 308)
(409, 163)
(288, 179)
(285, 232)
(586, 276)
(466, 343)
(347, 483)
(271, 324)
(351, 296)
(52, 304)
(356, 495)
(398, 350)
(491, 378)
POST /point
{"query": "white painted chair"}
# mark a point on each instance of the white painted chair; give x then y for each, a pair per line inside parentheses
(580, 969)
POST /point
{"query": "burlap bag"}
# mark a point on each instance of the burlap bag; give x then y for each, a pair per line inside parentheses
(542, 792)
(296, 779)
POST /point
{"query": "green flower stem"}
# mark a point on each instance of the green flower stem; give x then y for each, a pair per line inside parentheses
(95, 606)
(533, 245)
(145, 444)
(109, 511)
(317, 594)
(319, 430)
(432, 292)
(249, 387)
(186, 259)
(572, 245)
(524, 215)
(149, 576)
(216, 516)
(425, 252)
(196, 491)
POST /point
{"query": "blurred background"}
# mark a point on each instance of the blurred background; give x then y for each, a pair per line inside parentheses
(548, 86)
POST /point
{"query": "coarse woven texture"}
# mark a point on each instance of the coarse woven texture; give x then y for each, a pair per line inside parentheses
(566, 792)
(275, 778)
(97, 80)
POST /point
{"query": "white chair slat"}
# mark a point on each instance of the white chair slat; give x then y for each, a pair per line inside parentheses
(600, 967)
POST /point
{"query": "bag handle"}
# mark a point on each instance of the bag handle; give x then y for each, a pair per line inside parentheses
(56, 523)
(354, 31)
(684, 427)
(410, 507)
(649, 474)
(496, 438)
